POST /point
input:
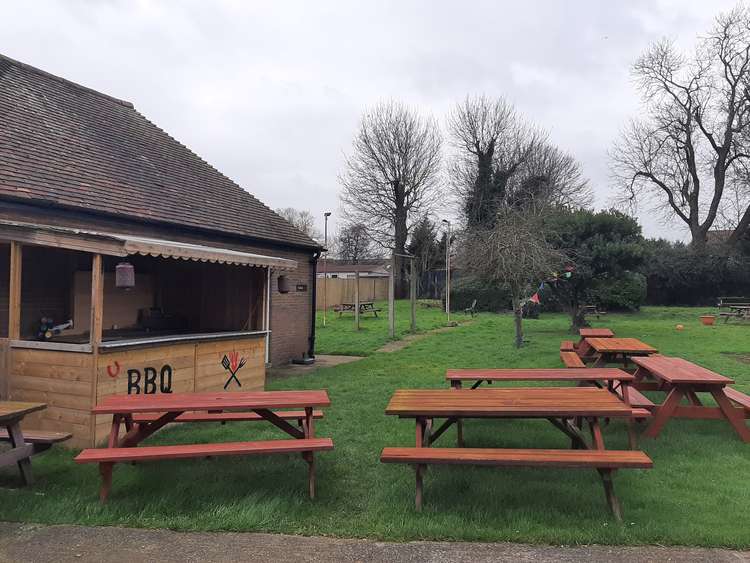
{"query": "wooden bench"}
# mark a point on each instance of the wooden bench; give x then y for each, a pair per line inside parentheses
(571, 359)
(42, 440)
(567, 346)
(637, 399)
(107, 457)
(738, 397)
(222, 417)
(604, 461)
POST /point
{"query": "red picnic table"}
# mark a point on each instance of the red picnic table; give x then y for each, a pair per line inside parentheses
(142, 415)
(594, 333)
(566, 408)
(680, 379)
(610, 350)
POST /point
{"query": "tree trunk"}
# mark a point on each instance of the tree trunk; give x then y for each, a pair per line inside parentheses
(399, 245)
(577, 314)
(518, 319)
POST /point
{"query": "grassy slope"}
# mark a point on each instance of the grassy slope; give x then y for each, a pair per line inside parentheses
(697, 494)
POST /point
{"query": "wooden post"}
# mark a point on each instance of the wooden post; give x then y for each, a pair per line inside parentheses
(413, 295)
(97, 300)
(392, 298)
(14, 291)
(356, 298)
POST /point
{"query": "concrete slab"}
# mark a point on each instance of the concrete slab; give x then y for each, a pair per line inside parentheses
(59, 544)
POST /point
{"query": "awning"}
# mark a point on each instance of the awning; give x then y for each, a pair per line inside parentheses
(116, 244)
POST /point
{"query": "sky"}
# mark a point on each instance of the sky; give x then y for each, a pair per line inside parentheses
(271, 93)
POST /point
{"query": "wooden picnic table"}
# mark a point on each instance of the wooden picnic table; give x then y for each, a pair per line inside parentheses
(739, 311)
(680, 379)
(11, 415)
(168, 407)
(566, 408)
(364, 307)
(605, 351)
(594, 333)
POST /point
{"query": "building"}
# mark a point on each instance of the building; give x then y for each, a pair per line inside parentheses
(130, 265)
(345, 269)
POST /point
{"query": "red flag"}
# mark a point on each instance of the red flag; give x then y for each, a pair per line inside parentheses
(534, 298)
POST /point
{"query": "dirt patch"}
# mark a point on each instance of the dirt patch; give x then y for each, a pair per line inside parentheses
(397, 345)
(741, 358)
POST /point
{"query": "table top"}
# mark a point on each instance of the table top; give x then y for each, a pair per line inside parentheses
(14, 410)
(595, 333)
(678, 370)
(518, 402)
(181, 402)
(541, 374)
(621, 345)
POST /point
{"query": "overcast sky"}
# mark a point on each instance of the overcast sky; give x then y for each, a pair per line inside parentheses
(271, 92)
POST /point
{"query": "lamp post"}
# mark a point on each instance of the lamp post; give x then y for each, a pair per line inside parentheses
(448, 271)
(326, 215)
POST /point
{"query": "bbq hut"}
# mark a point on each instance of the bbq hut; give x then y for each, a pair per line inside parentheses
(130, 265)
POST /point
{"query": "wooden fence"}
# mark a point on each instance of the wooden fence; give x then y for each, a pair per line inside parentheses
(341, 290)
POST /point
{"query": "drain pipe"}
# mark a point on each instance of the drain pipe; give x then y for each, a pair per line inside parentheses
(311, 339)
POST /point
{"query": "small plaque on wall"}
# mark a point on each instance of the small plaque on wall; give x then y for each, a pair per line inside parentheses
(301, 287)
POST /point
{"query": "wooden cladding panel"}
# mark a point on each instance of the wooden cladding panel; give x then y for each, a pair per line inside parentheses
(62, 380)
(210, 374)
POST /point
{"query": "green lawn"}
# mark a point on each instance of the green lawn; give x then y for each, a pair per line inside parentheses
(697, 493)
(339, 337)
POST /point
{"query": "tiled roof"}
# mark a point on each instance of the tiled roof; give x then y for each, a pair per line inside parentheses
(67, 145)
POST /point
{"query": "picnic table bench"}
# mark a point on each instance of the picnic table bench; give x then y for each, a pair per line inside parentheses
(24, 444)
(142, 415)
(603, 351)
(680, 379)
(364, 307)
(566, 408)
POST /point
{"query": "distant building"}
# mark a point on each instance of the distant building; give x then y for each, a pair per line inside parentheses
(345, 269)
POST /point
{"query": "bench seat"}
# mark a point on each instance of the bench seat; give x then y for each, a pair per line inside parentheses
(226, 416)
(637, 399)
(567, 346)
(605, 461)
(571, 359)
(738, 397)
(107, 457)
(42, 440)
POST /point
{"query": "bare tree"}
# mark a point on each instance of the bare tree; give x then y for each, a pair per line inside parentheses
(392, 175)
(303, 220)
(499, 160)
(514, 252)
(353, 243)
(680, 156)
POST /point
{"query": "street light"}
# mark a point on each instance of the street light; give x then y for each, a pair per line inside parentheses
(448, 271)
(326, 215)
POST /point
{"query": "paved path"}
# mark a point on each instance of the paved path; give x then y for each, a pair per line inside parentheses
(26, 542)
(321, 361)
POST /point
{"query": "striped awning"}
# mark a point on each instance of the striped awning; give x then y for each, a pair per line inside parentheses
(116, 244)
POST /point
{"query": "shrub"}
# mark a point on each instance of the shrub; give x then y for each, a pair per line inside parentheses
(627, 292)
(489, 298)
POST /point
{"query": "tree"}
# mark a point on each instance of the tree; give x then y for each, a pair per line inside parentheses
(425, 246)
(392, 175)
(303, 220)
(696, 128)
(353, 243)
(603, 247)
(514, 253)
(500, 160)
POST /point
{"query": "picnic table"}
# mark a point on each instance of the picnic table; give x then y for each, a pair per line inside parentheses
(680, 379)
(566, 408)
(739, 311)
(609, 350)
(11, 415)
(585, 333)
(142, 415)
(364, 307)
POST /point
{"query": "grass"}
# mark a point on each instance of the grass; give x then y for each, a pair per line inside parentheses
(339, 337)
(697, 493)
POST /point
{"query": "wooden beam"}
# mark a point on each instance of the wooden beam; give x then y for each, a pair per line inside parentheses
(97, 300)
(14, 291)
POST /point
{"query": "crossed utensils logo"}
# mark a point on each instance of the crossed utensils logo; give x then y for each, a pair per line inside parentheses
(233, 363)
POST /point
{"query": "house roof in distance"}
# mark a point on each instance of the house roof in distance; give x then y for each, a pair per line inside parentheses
(62, 144)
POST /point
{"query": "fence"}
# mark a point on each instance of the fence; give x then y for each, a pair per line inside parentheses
(341, 290)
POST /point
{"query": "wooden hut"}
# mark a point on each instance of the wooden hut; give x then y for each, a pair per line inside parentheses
(130, 265)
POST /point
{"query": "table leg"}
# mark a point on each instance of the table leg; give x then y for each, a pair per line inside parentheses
(114, 431)
(24, 464)
(664, 412)
(596, 433)
(420, 432)
(735, 416)
(609, 491)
